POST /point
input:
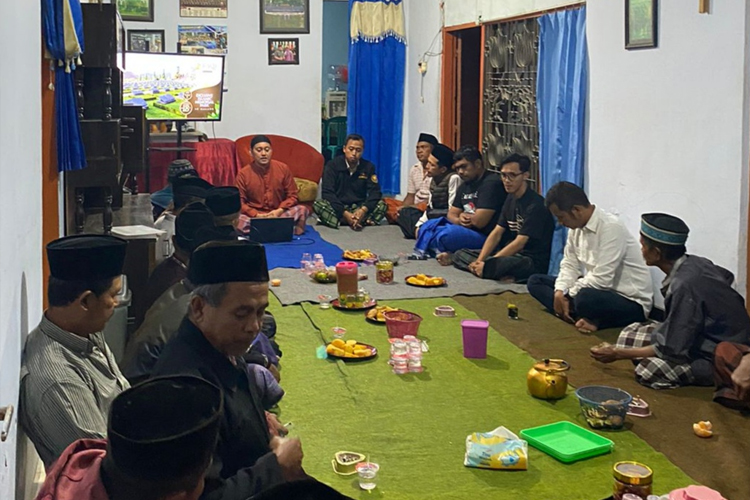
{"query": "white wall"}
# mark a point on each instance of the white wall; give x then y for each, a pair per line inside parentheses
(423, 23)
(282, 100)
(477, 11)
(668, 127)
(20, 207)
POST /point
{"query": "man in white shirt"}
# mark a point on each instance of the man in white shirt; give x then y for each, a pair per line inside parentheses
(417, 187)
(603, 280)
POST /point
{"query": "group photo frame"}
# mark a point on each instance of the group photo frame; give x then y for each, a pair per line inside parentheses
(283, 51)
(284, 16)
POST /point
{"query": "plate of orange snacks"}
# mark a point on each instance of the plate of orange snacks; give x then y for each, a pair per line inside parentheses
(425, 280)
(359, 255)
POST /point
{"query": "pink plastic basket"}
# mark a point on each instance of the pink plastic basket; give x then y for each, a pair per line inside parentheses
(402, 323)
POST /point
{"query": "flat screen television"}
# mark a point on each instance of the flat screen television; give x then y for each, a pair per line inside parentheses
(174, 87)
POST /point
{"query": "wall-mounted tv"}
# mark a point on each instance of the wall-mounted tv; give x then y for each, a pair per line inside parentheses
(174, 87)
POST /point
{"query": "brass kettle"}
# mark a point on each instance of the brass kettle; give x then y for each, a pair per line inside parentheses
(548, 379)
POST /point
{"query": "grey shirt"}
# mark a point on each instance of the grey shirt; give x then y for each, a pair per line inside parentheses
(68, 383)
(702, 310)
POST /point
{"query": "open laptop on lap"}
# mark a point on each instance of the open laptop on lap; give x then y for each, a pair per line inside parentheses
(271, 229)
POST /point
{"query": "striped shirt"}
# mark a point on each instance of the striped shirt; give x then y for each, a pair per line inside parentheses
(67, 385)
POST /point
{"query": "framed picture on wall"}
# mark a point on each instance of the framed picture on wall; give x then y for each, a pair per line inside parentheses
(203, 8)
(146, 40)
(641, 21)
(136, 10)
(202, 39)
(283, 51)
(284, 16)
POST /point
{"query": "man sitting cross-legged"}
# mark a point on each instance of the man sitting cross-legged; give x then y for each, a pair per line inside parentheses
(160, 439)
(349, 190)
(471, 217)
(443, 188)
(225, 315)
(526, 219)
(702, 310)
(417, 187)
(615, 289)
(267, 187)
(69, 376)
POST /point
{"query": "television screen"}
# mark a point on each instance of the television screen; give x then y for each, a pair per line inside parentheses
(174, 86)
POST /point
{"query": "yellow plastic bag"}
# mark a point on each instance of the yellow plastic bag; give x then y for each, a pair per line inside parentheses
(498, 449)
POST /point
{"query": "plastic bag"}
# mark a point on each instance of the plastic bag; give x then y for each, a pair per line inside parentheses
(498, 449)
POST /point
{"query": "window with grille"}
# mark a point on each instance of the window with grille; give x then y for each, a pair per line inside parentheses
(509, 122)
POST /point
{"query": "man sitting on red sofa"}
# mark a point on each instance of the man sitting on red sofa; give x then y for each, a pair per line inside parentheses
(267, 187)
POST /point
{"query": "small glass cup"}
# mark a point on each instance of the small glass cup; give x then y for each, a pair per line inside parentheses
(338, 332)
(384, 272)
(305, 262)
(368, 475)
(325, 301)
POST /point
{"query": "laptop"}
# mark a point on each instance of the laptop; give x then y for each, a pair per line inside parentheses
(271, 230)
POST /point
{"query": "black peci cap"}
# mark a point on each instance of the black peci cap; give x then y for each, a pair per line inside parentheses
(164, 429)
(224, 200)
(86, 257)
(227, 262)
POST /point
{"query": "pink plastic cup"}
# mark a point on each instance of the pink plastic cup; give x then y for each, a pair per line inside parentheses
(475, 337)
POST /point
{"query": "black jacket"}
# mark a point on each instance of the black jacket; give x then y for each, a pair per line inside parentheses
(243, 464)
(342, 189)
(161, 324)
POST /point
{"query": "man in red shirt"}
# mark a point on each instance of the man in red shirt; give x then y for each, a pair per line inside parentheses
(267, 187)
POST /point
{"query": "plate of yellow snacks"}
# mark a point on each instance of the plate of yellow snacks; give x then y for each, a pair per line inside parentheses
(425, 280)
(376, 315)
(350, 350)
(359, 255)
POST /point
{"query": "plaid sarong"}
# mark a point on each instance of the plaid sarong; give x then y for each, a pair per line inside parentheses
(327, 215)
(653, 372)
(299, 213)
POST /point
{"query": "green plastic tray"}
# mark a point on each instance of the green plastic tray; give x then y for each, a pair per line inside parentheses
(567, 441)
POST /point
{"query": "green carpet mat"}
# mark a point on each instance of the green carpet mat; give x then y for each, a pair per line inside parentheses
(415, 426)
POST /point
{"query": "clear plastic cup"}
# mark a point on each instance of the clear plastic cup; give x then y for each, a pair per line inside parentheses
(399, 348)
(325, 301)
(368, 475)
(305, 262)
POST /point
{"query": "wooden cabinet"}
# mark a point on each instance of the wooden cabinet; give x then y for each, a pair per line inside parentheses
(96, 188)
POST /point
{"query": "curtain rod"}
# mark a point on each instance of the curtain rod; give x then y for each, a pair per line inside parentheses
(538, 13)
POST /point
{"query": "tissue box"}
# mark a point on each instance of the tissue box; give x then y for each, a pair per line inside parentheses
(498, 449)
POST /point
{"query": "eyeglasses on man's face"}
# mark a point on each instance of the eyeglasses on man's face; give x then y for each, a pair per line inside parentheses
(510, 176)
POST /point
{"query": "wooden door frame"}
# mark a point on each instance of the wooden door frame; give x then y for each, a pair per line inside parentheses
(448, 84)
(448, 89)
(50, 177)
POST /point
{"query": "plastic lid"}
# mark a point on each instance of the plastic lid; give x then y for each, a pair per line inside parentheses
(552, 365)
(347, 265)
(633, 473)
(475, 323)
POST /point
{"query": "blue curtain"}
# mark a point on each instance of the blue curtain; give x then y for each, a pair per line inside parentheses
(62, 27)
(375, 108)
(561, 94)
